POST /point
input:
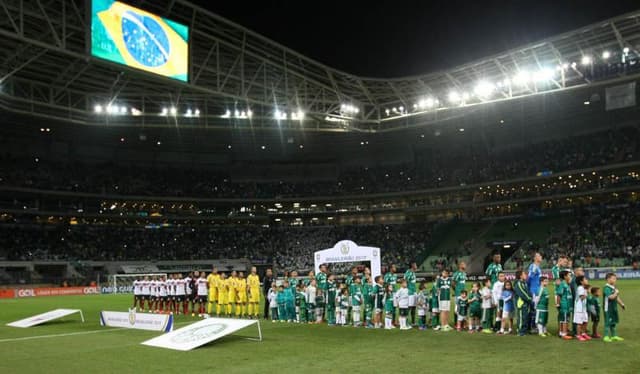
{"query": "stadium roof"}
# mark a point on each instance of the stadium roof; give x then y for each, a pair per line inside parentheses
(239, 78)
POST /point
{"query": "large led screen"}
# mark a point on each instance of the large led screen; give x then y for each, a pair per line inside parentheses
(139, 39)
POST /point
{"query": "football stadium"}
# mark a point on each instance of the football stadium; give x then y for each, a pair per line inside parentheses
(181, 192)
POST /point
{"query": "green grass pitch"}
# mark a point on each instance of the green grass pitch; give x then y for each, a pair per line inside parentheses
(68, 346)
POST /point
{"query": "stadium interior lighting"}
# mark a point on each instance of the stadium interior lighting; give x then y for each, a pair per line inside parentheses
(227, 114)
(97, 109)
(301, 146)
(573, 65)
(236, 113)
(586, 60)
(123, 110)
(387, 111)
(299, 115)
(349, 109)
(249, 114)
(188, 113)
(461, 129)
(263, 147)
(454, 97)
(522, 78)
(625, 50)
(483, 89)
(159, 142)
(543, 75)
(278, 115)
(606, 55)
(164, 111)
(173, 111)
(465, 96)
(197, 113)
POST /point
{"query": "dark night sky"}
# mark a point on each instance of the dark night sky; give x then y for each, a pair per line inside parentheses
(398, 38)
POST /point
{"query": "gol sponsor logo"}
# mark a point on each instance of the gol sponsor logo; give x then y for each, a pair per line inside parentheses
(26, 292)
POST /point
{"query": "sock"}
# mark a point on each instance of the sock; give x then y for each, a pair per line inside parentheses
(387, 322)
(540, 329)
(210, 307)
(613, 331)
(250, 309)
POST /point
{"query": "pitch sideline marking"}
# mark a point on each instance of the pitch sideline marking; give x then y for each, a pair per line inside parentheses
(72, 334)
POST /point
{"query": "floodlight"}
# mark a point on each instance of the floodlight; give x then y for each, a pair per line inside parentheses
(606, 55)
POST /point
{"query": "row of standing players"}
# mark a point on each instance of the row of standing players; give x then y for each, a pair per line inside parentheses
(175, 293)
(319, 297)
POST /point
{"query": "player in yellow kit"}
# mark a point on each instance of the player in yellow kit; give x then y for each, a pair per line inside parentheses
(241, 287)
(221, 285)
(231, 292)
(212, 280)
(253, 281)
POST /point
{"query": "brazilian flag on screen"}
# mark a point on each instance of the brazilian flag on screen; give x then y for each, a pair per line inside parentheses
(139, 39)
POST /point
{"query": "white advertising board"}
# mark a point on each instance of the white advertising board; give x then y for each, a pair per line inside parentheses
(140, 321)
(45, 317)
(200, 333)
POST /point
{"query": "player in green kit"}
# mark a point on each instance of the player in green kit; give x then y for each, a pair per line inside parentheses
(293, 281)
(494, 268)
(475, 308)
(611, 299)
(301, 304)
(458, 280)
(564, 301)
(542, 307)
(391, 279)
(435, 306)
(321, 279)
(332, 292)
(410, 277)
(378, 301)
(355, 290)
(368, 296)
(443, 284)
(593, 307)
(389, 310)
(462, 308)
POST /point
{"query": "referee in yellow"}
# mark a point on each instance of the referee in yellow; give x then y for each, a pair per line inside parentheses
(253, 281)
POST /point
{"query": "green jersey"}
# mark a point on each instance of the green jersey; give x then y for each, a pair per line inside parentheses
(460, 277)
(343, 301)
(492, 272)
(566, 297)
(543, 300)
(463, 306)
(392, 279)
(293, 284)
(306, 282)
(378, 290)
(301, 299)
(410, 277)
(434, 296)
(444, 288)
(475, 302)
(321, 279)
(610, 306)
(355, 290)
(388, 304)
(332, 291)
(555, 272)
(593, 306)
(320, 300)
(367, 293)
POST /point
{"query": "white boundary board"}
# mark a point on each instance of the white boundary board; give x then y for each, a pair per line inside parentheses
(45, 317)
(140, 321)
(200, 333)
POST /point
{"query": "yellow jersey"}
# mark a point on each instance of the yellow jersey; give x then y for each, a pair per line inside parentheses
(253, 281)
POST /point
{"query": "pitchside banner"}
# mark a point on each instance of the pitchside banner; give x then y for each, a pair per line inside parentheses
(200, 333)
(133, 320)
(45, 317)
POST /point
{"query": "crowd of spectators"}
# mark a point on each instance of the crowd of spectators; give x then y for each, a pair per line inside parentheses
(438, 167)
(286, 248)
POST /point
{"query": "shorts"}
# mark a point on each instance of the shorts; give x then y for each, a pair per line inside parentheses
(242, 299)
(231, 298)
(404, 312)
(412, 301)
(422, 312)
(563, 315)
(475, 313)
(506, 314)
(461, 318)
(611, 318)
(444, 305)
(580, 318)
(595, 318)
(180, 298)
(542, 317)
(254, 296)
(435, 310)
(201, 299)
(145, 297)
(222, 299)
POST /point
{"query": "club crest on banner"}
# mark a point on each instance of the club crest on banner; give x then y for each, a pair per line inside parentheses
(348, 251)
